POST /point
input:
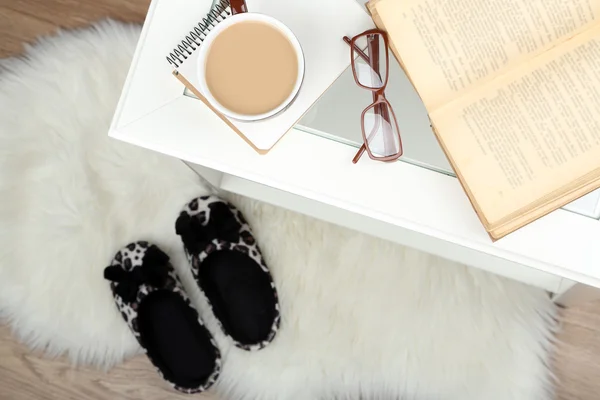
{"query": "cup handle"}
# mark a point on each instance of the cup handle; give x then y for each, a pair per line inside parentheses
(238, 6)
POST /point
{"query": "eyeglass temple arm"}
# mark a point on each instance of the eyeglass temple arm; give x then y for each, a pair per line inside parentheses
(378, 108)
(358, 50)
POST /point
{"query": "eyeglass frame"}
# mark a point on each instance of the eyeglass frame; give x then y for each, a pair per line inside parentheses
(378, 93)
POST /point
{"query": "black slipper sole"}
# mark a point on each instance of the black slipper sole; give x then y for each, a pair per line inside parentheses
(153, 303)
(229, 268)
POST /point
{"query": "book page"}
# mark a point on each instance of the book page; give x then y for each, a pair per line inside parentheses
(447, 47)
(529, 133)
(524, 219)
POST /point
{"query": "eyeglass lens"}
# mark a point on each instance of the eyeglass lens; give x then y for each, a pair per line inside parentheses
(371, 73)
(381, 132)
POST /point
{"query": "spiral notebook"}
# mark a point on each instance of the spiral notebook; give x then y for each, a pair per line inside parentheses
(319, 26)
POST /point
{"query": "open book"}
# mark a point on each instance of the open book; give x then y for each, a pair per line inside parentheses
(512, 88)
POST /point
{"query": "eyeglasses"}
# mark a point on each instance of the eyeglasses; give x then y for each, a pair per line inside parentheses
(381, 135)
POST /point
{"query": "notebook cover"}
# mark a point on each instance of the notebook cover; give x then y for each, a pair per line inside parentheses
(319, 26)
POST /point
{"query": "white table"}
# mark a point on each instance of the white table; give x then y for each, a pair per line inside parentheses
(415, 202)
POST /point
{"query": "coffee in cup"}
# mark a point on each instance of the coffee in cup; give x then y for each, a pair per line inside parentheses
(250, 67)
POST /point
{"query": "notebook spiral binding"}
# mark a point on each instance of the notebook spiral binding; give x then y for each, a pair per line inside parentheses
(194, 39)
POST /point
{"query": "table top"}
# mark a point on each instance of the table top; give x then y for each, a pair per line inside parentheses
(336, 116)
(313, 160)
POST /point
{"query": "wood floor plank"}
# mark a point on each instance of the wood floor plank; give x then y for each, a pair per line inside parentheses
(21, 21)
(17, 28)
(577, 363)
(25, 376)
(67, 13)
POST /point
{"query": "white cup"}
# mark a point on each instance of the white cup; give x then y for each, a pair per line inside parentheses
(206, 44)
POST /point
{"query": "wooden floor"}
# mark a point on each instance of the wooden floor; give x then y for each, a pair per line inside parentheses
(24, 375)
(27, 376)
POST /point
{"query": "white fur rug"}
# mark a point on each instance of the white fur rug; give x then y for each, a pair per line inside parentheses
(361, 316)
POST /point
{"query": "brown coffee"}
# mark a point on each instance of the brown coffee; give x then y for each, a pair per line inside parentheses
(251, 68)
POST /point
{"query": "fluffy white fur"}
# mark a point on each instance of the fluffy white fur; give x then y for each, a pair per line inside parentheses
(360, 315)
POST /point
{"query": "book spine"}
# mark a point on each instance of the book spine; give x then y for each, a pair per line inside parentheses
(196, 36)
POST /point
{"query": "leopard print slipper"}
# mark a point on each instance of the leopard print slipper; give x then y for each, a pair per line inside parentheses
(230, 270)
(152, 301)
